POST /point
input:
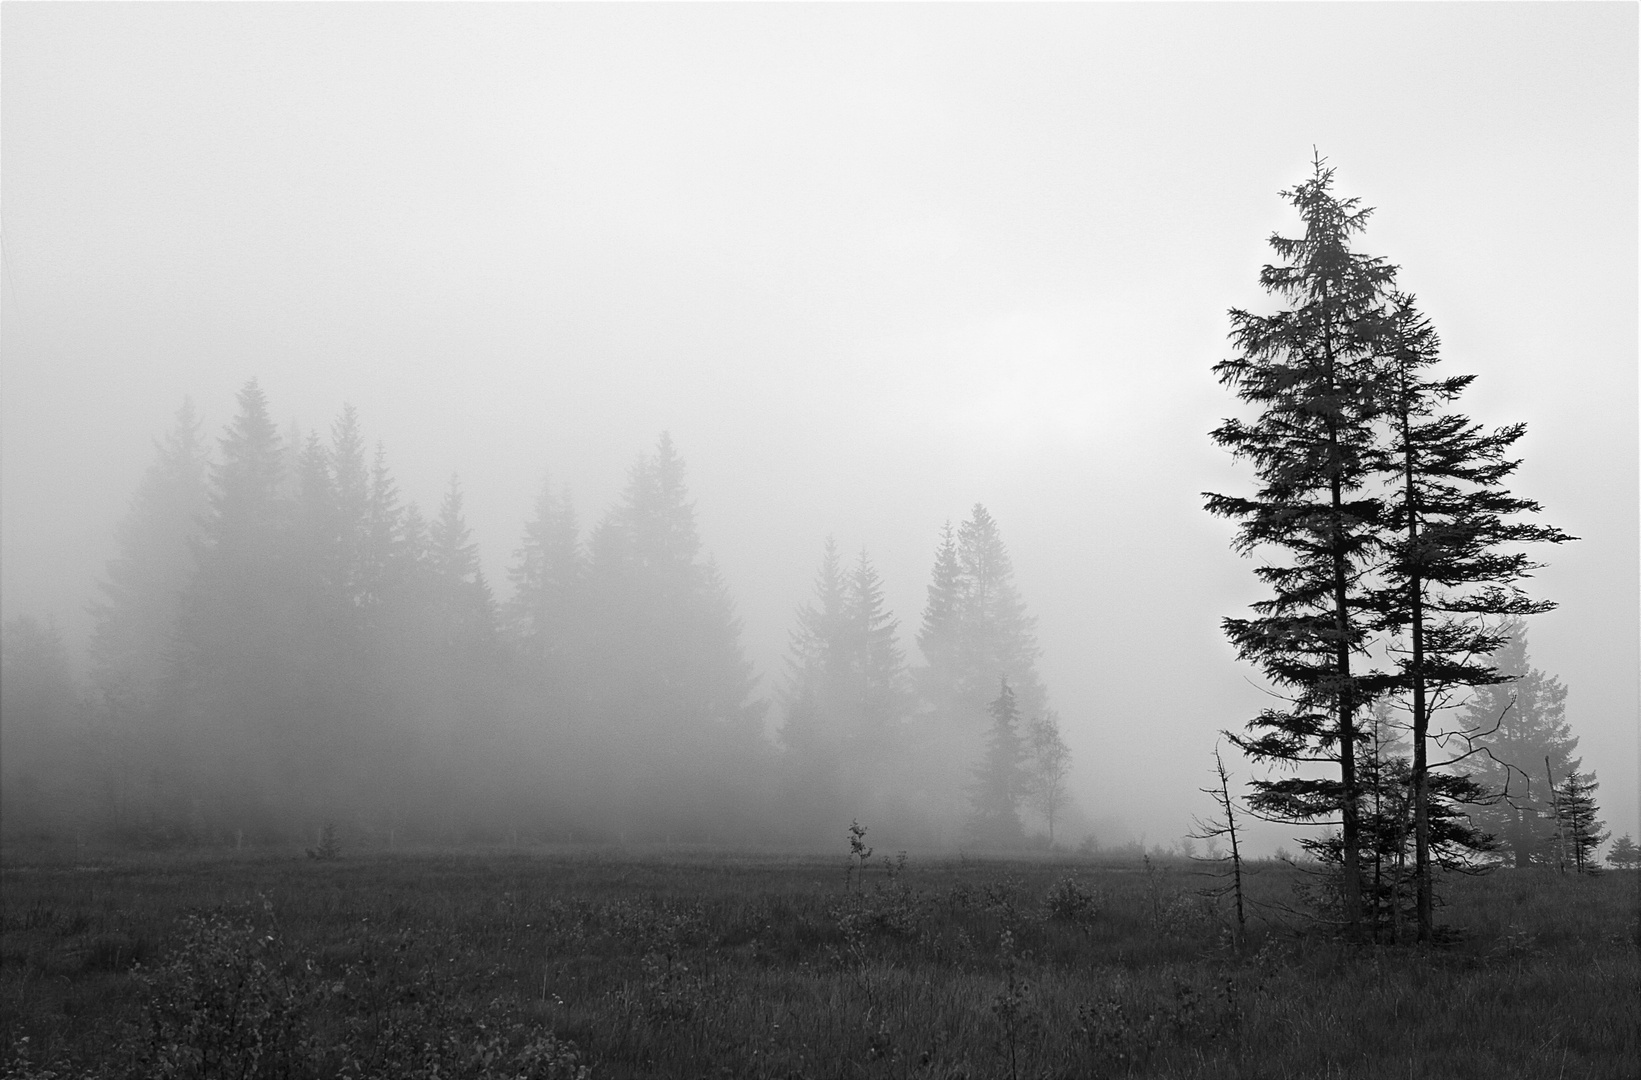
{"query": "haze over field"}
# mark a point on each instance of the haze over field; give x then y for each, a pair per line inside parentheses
(868, 266)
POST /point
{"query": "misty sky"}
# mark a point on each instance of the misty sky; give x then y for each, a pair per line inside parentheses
(868, 264)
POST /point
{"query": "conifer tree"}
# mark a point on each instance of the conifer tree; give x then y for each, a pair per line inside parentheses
(351, 479)
(996, 633)
(668, 682)
(1311, 373)
(135, 618)
(1454, 560)
(846, 696)
(1581, 832)
(317, 553)
(816, 661)
(248, 511)
(1517, 724)
(462, 600)
(1388, 826)
(975, 629)
(881, 694)
(547, 576)
(240, 627)
(942, 680)
(999, 781)
(386, 554)
(939, 636)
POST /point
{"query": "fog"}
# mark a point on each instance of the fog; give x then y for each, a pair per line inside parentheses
(866, 267)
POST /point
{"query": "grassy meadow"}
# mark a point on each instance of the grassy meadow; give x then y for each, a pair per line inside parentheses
(543, 962)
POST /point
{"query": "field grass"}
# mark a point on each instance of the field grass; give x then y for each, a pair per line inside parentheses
(557, 962)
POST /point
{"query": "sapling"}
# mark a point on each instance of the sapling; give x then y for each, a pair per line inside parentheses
(329, 847)
(859, 852)
(1212, 830)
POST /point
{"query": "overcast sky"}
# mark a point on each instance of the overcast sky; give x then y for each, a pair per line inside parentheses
(868, 264)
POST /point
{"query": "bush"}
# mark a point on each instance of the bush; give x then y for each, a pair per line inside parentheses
(1068, 901)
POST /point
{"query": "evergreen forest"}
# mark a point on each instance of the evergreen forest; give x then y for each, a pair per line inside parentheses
(284, 644)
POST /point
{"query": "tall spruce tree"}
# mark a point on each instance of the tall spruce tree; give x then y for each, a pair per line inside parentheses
(941, 680)
(1450, 582)
(1311, 372)
(847, 695)
(975, 629)
(669, 684)
(241, 632)
(998, 636)
(881, 694)
(816, 663)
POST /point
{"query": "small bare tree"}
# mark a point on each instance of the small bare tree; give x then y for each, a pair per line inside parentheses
(1224, 826)
(1049, 765)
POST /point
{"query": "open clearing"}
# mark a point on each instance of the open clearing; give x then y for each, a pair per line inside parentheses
(543, 962)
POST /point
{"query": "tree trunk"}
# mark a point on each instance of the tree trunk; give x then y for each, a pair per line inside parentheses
(1350, 829)
(1421, 717)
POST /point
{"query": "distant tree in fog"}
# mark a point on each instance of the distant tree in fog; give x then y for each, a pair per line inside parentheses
(464, 605)
(1048, 764)
(670, 692)
(999, 780)
(940, 637)
(247, 509)
(817, 661)
(1521, 722)
(975, 627)
(975, 624)
(1625, 853)
(238, 625)
(847, 692)
(995, 633)
(447, 649)
(883, 692)
(548, 575)
(37, 707)
(135, 616)
(132, 733)
(282, 642)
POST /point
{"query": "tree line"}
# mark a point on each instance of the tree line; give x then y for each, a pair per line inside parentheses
(282, 641)
(1395, 559)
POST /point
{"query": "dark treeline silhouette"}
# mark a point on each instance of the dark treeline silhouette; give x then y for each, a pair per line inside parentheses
(281, 643)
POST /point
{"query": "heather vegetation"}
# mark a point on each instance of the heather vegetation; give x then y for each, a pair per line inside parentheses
(547, 962)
